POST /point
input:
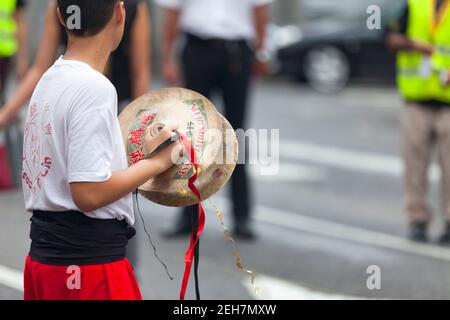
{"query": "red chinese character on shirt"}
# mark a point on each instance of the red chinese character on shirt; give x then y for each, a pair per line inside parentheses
(136, 156)
(135, 136)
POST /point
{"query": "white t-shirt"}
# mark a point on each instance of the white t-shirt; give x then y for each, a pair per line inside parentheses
(72, 134)
(223, 19)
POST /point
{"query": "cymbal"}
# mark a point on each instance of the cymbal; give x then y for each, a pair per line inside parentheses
(211, 135)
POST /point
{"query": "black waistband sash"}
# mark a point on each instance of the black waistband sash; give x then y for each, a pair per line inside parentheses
(72, 238)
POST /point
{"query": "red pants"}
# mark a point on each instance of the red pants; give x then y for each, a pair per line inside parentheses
(112, 281)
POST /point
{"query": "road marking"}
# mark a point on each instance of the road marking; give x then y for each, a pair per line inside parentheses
(354, 234)
(275, 289)
(11, 278)
(367, 162)
(329, 229)
(289, 172)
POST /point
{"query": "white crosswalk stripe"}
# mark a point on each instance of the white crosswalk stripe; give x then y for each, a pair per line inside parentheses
(270, 288)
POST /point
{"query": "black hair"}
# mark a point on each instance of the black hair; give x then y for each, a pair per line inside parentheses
(93, 17)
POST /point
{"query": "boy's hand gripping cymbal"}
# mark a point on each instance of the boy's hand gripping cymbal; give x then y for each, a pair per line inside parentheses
(166, 141)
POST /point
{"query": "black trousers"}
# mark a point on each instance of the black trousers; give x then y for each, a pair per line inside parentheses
(211, 66)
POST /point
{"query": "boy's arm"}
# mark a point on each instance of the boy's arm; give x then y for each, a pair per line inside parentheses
(90, 196)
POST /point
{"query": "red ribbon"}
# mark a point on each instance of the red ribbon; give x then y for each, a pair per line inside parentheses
(188, 257)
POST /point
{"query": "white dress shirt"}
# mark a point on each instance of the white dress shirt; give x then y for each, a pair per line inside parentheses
(223, 19)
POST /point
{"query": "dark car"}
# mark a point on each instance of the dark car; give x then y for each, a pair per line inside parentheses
(333, 44)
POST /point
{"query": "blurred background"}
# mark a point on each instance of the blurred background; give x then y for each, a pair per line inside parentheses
(335, 208)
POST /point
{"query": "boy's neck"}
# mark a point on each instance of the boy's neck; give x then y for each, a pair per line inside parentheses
(94, 51)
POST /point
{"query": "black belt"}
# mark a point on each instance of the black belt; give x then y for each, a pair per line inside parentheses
(72, 238)
(215, 42)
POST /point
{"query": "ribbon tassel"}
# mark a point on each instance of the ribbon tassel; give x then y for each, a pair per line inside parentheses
(188, 257)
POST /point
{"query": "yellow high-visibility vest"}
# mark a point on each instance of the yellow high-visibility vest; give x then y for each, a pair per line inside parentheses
(8, 28)
(419, 77)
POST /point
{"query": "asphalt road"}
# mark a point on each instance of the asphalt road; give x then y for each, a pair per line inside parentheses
(333, 210)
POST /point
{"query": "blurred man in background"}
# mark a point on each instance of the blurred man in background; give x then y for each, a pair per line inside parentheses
(221, 39)
(13, 42)
(421, 38)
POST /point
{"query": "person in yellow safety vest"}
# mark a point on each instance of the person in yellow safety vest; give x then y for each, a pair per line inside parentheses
(12, 39)
(421, 38)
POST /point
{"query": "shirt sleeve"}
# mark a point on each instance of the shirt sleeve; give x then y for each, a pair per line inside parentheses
(400, 24)
(91, 136)
(169, 4)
